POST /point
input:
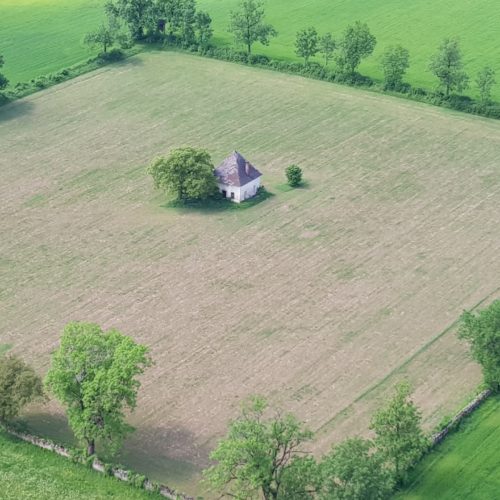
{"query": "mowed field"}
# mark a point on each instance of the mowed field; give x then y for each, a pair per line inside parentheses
(41, 36)
(27, 472)
(320, 298)
(466, 465)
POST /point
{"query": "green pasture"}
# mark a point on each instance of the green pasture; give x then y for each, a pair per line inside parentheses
(28, 472)
(419, 25)
(466, 465)
(42, 36)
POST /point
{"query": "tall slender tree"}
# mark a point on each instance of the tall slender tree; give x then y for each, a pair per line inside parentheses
(485, 81)
(357, 42)
(3, 80)
(306, 43)
(248, 26)
(327, 46)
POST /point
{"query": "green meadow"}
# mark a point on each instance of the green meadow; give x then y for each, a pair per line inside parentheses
(28, 472)
(41, 36)
(466, 465)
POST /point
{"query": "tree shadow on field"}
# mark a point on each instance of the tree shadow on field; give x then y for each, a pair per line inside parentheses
(15, 109)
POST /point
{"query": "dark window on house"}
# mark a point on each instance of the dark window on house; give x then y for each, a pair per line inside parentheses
(232, 195)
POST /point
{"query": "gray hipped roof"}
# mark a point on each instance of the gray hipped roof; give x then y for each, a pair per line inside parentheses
(236, 171)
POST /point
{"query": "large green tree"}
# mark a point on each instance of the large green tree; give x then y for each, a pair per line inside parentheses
(263, 457)
(327, 46)
(398, 432)
(356, 43)
(3, 80)
(248, 26)
(485, 80)
(104, 37)
(306, 43)
(19, 385)
(353, 470)
(395, 62)
(93, 374)
(139, 15)
(187, 173)
(447, 65)
(203, 28)
(482, 331)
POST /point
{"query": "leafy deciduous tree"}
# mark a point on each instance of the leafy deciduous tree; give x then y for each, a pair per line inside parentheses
(447, 65)
(399, 436)
(203, 26)
(484, 81)
(482, 331)
(293, 175)
(262, 457)
(137, 14)
(19, 385)
(104, 37)
(356, 43)
(187, 173)
(327, 46)
(248, 26)
(395, 62)
(306, 43)
(3, 80)
(93, 373)
(353, 470)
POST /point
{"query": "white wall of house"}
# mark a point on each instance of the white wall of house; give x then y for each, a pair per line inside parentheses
(241, 193)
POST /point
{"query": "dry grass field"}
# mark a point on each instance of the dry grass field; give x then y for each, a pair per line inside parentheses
(320, 298)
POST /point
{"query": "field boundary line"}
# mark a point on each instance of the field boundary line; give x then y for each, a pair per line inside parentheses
(402, 366)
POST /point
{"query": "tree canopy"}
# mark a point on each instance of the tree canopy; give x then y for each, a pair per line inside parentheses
(327, 46)
(447, 65)
(262, 456)
(306, 43)
(482, 331)
(19, 385)
(485, 81)
(248, 26)
(187, 173)
(3, 80)
(398, 431)
(94, 375)
(353, 470)
(356, 43)
(395, 62)
(293, 175)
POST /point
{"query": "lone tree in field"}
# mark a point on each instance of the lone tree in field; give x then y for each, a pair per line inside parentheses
(262, 457)
(353, 470)
(395, 62)
(104, 37)
(482, 331)
(356, 43)
(293, 175)
(447, 65)
(94, 375)
(19, 385)
(248, 26)
(187, 173)
(3, 80)
(327, 46)
(484, 81)
(306, 43)
(398, 431)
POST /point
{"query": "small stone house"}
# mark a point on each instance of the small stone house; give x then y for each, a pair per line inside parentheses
(237, 178)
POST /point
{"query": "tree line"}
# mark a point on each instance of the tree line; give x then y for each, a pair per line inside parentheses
(94, 375)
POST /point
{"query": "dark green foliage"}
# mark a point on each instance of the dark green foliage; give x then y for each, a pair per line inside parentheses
(395, 62)
(354, 470)
(484, 81)
(306, 43)
(19, 385)
(482, 331)
(399, 437)
(103, 37)
(248, 26)
(137, 14)
(327, 46)
(93, 374)
(293, 175)
(203, 28)
(187, 173)
(263, 457)
(448, 67)
(3, 80)
(356, 43)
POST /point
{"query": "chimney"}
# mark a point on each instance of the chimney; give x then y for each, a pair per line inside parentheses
(247, 168)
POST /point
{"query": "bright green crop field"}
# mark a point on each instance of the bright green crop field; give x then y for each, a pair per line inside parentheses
(466, 465)
(41, 36)
(28, 472)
